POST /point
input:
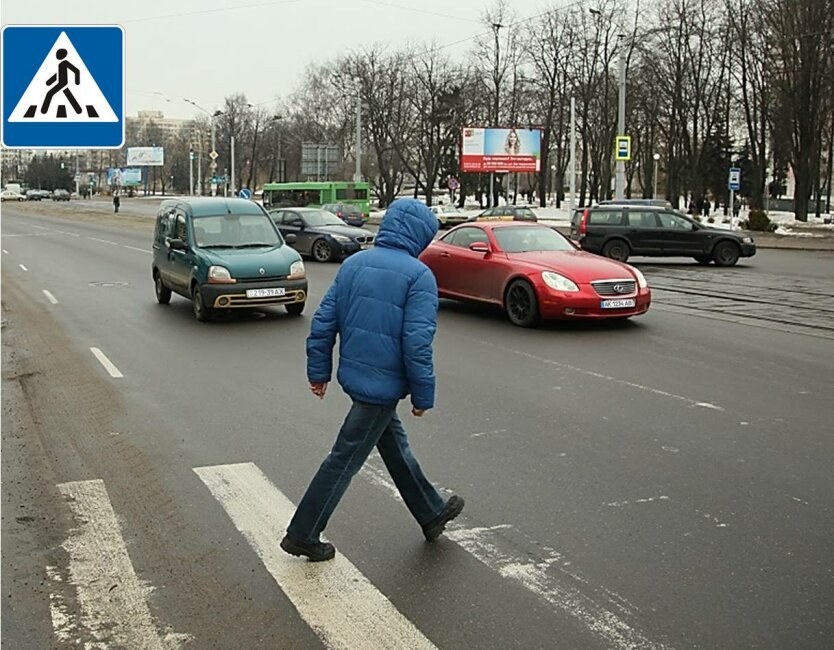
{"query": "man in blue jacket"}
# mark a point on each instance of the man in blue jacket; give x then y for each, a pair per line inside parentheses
(383, 306)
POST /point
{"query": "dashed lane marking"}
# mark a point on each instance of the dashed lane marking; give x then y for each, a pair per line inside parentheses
(22, 267)
(133, 248)
(335, 599)
(50, 297)
(104, 241)
(108, 365)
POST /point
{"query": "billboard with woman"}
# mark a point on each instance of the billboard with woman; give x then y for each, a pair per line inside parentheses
(500, 149)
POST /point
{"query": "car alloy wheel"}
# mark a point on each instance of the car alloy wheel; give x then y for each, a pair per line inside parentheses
(322, 251)
(521, 304)
(163, 293)
(725, 254)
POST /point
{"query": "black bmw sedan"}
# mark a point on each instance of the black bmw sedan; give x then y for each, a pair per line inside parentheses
(320, 234)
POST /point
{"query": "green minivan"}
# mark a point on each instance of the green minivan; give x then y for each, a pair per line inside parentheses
(224, 254)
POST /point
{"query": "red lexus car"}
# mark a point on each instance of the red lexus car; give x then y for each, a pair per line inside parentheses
(533, 272)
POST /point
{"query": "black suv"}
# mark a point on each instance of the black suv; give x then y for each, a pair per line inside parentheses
(618, 231)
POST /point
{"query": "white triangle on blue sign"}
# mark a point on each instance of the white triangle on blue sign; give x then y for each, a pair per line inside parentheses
(74, 95)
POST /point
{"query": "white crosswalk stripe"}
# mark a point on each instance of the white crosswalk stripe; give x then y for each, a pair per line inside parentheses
(98, 561)
(334, 597)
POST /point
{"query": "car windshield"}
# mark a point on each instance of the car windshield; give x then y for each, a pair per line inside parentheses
(314, 218)
(235, 231)
(447, 209)
(523, 240)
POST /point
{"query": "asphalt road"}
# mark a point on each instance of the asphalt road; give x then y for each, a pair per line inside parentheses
(661, 483)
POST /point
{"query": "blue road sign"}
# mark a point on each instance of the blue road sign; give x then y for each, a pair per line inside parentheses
(245, 193)
(63, 86)
(734, 182)
(623, 151)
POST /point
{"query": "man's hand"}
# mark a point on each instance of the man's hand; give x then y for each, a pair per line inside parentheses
(418, 413)
(319, 389)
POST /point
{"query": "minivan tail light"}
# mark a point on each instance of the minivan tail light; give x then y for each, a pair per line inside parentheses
(583, 225)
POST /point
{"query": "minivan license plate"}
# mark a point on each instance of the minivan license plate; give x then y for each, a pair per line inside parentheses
(618, 304)
(265, 293)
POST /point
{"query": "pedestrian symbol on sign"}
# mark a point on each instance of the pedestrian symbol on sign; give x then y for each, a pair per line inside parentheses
(51, 79)
(62, 86)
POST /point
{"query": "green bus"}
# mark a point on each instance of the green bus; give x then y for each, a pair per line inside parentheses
(316, 194)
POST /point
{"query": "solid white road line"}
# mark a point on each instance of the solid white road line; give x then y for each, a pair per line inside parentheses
(113, 601)
(334, 598)
(50, 297)
(108, 365)
(551, 579)
(23, 268)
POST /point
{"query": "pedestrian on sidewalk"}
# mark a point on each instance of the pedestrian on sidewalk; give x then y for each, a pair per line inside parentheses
(383, 307)
(116, 202)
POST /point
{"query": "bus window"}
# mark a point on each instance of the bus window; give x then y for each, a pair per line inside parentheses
(349, 193)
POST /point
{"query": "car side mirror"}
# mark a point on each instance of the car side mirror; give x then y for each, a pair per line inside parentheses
(177, 245)
(290, 238)
(479, 247)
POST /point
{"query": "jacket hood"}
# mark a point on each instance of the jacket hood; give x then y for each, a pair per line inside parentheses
(407, 225)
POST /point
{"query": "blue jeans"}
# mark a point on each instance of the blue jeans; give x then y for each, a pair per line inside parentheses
(366, 426)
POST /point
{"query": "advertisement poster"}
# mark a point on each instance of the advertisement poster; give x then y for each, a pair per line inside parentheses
(500, 150)
(124, 177)
(147, 156)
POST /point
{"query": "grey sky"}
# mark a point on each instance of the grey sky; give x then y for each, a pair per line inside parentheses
(207, 49)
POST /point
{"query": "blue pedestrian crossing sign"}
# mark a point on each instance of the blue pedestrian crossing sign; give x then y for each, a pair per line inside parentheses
(734, 181)
(623, 151)
(63, 87)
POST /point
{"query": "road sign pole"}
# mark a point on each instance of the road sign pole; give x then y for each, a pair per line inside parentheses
(191, 172)
(732, 212)
(621, 178)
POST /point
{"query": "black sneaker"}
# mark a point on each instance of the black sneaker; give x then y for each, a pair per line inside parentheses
(436, 526)
(318, 552)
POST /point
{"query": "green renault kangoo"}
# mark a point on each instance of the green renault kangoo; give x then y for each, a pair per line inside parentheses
(224, 254)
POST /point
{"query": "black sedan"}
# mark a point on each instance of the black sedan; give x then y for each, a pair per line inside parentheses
(321, 234)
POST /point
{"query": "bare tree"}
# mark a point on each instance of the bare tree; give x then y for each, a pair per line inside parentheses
(800, 70)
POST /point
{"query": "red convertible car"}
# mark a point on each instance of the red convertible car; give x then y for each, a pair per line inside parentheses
(533, 272)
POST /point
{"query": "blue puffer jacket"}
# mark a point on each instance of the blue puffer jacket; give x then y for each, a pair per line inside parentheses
(383, 306)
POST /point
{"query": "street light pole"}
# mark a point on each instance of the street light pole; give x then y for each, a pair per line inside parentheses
(357, 174)
(572, 154)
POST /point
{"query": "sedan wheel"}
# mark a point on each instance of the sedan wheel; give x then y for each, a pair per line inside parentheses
(163, 293)
(201, 311)
(616, 249)
(726, 253)
(521, 305)
(322, 251)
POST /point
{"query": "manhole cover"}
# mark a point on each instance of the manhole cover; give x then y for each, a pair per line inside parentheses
(108, 284)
